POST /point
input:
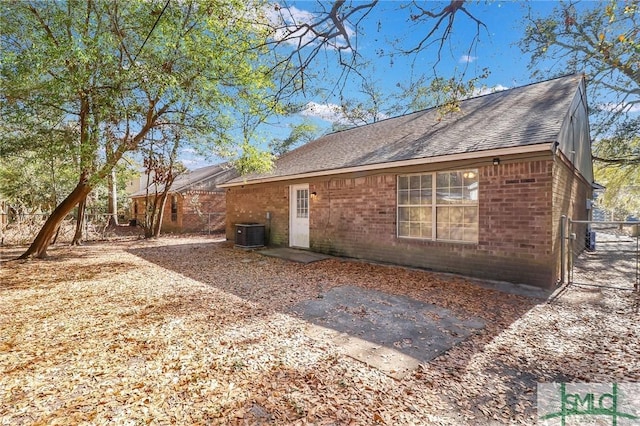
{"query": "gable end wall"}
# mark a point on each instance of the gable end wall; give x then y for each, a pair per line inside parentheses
(570, 195)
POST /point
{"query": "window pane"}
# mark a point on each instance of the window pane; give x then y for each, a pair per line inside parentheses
(442, 214)
(442, 180)
(457, 187)
(473, 194)
(457, 223)
(415, 209)
(425, 195)
(403, 214)
(455, 178)
(469, 194)
(455, 195)
(470, 235)
(414, 197)
(403, 229)
(414, 214)
(414, 182)
(403, 197)
(470, 185)
(425, 182)
(403, 182)
(455, 215)
(425, 215)
(470, 177)
(443, 231)
(302, 203)
(456, 233)
(470, 215)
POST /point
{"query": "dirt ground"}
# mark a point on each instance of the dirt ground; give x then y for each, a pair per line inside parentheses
(193, 331)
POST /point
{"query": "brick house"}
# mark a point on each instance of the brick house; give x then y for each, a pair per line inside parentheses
(194, 203)
(479, 192)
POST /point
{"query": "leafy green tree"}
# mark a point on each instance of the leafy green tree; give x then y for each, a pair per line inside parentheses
(601, 39)
(300, 134)
(36, 181)
(117, 69)
(161, 168)
(621, 177)
(622, 189)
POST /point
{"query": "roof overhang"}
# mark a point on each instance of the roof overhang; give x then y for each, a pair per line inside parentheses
(547, 146)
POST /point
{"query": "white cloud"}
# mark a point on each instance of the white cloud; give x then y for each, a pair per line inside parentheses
(288, 20)
(327, 112)
(616, 107)
(333, 114)
(195, 163)
(466, 59)
(486, 90)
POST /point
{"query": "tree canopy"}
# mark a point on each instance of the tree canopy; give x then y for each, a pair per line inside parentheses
(114, 70)
(601, 39)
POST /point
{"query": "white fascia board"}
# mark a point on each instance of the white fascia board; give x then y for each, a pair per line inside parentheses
(403, 163)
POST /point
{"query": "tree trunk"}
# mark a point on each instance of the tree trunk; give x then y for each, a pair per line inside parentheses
(158, 225)
(149, 215)
(38, 247)
(77, 237)
(55, 238)
(112, 208)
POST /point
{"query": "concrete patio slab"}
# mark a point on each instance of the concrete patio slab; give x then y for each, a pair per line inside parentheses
(294, 255)
(390, 332)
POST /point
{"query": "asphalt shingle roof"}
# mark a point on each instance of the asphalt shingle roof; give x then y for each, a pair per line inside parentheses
(517, 117)
(214, 175)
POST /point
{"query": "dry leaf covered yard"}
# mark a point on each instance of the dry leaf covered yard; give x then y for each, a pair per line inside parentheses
(189, 331)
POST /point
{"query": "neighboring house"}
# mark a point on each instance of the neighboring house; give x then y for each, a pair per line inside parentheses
(479, 192)
(194, 203)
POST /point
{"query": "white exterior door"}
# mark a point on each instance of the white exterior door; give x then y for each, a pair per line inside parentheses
(299, 216)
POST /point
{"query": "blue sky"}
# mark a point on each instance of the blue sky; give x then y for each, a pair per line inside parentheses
(389, 22)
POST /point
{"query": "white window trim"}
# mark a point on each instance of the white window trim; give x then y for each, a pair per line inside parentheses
(434, 207)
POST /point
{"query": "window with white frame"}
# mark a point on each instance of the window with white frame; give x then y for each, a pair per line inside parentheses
(439, 206)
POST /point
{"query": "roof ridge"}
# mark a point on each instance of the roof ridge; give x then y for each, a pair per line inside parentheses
(426, 110)
(514, 118)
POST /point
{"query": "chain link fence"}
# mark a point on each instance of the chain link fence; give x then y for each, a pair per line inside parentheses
(20, 229)
(604, 254)
(194, 223)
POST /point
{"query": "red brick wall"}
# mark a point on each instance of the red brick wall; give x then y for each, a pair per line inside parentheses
(203, 211)
(516, 236)
(197, 212)
(251, 204)
(356, 217)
